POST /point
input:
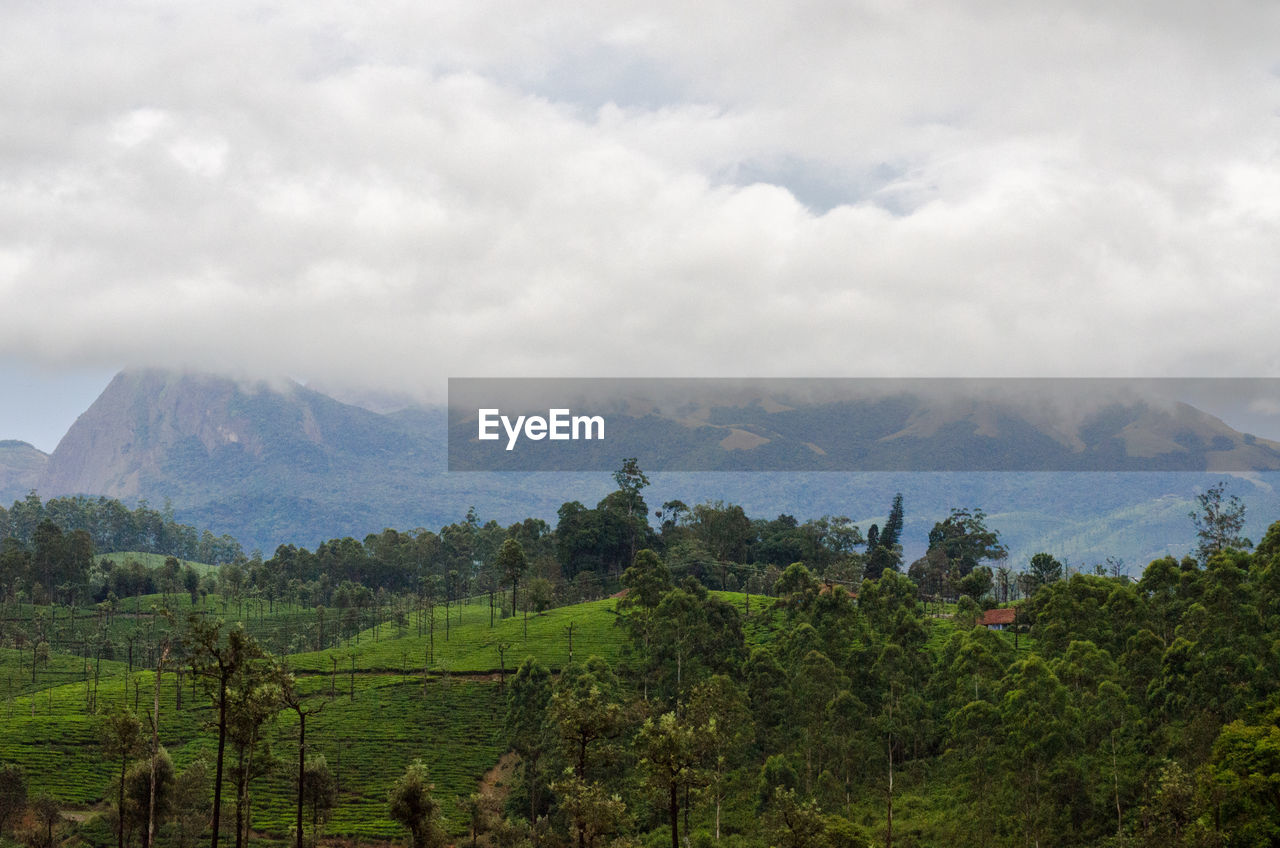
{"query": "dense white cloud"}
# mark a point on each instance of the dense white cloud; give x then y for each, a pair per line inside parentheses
(389, 197)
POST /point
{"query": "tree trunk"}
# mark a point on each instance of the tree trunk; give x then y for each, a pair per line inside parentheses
(302, 747)
(124, 758)
(888, 834)
(222, 741)
(155, 755)
(240, 781)
(674, 809)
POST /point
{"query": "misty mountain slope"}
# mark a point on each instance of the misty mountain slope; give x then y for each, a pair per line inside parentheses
(278, 462)
(21, 465)
(269, 462)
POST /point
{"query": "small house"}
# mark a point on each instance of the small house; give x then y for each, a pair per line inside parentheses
(998, 619)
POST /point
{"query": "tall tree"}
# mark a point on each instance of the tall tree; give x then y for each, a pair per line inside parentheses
(586, 713)
(1218, 522)
(412, 805)
(320, 790)
(1044, 569)
(121, 735)
(511, 562)
(883, 549)
(891, 535)
(965, 540)
(295, 701)
(526, 727)
(718, 709)
(631, 482)
(218, 660)
(671, 751)
(13, 794)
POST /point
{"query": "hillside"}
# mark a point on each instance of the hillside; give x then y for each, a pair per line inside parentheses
(273, 463)
(809, 717)
(21, 468)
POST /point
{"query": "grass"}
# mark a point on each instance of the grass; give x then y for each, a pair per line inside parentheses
(367, 736)
(374, 721)
(154, 561)
(281, 627)
(470, 644)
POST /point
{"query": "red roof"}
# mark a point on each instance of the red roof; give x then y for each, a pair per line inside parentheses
(998, 616)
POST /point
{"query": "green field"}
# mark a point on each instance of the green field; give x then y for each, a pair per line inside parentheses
(154, 561)
(385, 703)
(470, 645)
(375, 720)
(367, 739)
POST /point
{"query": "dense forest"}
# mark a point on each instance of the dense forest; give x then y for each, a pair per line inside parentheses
(633, 676)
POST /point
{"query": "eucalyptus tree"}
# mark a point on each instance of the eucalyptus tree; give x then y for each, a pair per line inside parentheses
(218, 659)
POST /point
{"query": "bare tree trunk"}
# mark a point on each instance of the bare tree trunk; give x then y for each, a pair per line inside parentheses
(1115, 773)
(222, 741)
(302, 748)
(155, 753)
(888, 834)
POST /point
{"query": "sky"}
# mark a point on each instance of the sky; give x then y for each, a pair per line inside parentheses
(383, 197)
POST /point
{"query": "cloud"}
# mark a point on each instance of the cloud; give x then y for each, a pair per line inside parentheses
(385, 198)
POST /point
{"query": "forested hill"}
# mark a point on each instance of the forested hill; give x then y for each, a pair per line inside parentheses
(273, 463)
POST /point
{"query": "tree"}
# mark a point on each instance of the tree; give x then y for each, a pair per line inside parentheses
(631, 482)
(481, 811)
(1044, 569)
(698, 633)
(883, 549)
(527, 700)
(192, 802)
(1040, 724)
(411, 804)
(585, 715)
(121, 735)
(719, 710)
(13, 794)
(794, 823)
(512, 563)
(965, 540)
(293, 699)
(1218, 523)
(48, 814)
(647, 580)
(140, 802)
(671, 752)
(594, 811)
(218, 661)
(254, 698)
(892, 532)
(320, 791)
(723, 529)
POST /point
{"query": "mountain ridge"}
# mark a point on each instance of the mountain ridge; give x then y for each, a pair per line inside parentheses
(21, 466)
(272, 462)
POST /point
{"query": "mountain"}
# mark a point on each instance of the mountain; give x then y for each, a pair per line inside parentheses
(1046, 426)
(21, 465)
(181, 436)
(278, 462)
(273, 462)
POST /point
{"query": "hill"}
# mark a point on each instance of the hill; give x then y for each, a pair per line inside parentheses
(273, 463)
(21, 466)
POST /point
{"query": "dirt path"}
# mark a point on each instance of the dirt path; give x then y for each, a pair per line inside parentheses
(496, 782)
(79, 816)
